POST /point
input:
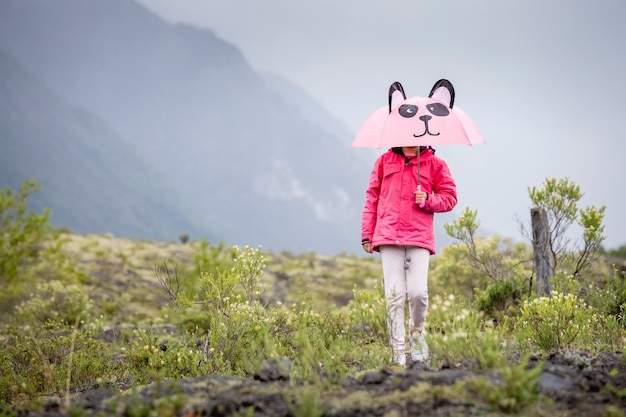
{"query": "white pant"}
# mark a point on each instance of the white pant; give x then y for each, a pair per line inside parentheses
(400, 284)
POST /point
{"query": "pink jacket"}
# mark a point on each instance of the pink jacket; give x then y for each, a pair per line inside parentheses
(390, 214)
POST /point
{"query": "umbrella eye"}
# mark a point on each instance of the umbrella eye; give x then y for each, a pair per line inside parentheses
(407, 110)
(438, 109)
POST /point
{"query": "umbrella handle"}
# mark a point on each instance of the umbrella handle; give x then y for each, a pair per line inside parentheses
(419, 178)
(419, 188)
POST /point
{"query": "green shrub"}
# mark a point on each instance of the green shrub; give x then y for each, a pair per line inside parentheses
(518, 390)
(21, 232)
(610, 297)
(210, 258)
(559, 198)
(499, 297)
(567, 284)
(368, 313)
(54, 303)
(22, 239)
(562, 321)
(153, 357)
(619, 252)
(50, 361)
(459, 333)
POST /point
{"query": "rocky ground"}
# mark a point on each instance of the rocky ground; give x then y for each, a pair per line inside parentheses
(570, 384)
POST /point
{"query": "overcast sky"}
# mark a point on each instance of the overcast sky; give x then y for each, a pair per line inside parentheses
(543, 81)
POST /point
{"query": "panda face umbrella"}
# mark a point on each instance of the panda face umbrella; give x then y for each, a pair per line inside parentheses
(418, 121)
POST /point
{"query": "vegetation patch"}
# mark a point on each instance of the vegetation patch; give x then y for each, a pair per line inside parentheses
(97, 325)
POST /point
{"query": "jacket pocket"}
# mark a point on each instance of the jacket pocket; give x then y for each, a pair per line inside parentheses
(424, 179)
(390, 177)
(390, 169)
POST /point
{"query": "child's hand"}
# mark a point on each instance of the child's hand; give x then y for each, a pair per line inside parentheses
(367, 247)
(420, 197)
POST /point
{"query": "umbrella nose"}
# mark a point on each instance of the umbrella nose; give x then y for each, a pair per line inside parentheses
(425, 118)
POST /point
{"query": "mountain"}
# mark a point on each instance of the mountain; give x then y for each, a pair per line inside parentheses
(248, 154)
(91, 179)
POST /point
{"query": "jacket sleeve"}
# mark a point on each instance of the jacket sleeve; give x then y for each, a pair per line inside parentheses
(368, 219)
(443, 197)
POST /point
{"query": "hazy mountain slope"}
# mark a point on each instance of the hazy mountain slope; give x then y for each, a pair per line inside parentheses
(309, 108)
(92, 180)
(241, 155)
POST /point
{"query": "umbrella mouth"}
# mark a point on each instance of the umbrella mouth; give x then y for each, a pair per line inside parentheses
(427, 131)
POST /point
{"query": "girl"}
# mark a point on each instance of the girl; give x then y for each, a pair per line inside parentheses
(398, 222)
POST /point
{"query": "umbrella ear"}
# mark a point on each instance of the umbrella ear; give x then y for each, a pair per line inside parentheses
(396, 95)
(443, 91)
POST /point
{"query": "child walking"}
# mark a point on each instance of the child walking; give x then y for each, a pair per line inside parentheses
(397, 221)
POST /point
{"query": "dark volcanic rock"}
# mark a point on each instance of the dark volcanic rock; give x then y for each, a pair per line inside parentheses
(572, 383)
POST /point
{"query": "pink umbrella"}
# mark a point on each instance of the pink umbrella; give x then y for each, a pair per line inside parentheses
(418, 121)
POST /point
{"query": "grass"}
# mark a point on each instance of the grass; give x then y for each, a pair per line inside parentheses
(212, 309)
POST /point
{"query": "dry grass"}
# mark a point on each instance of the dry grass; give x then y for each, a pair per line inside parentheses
(120, 273)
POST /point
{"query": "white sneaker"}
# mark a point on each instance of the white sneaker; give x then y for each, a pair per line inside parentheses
(419, 347)
(399, 358)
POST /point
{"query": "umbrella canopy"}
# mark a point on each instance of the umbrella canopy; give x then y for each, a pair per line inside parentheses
(418, 121)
